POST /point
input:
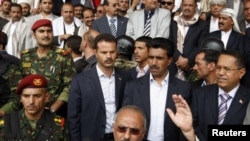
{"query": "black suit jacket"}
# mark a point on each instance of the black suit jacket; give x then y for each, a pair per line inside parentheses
(196, 33)
(205, 108)
(137, 92)
(235, 41)
(102, 25)
(2, 23)
(133, 73)
(86, 107)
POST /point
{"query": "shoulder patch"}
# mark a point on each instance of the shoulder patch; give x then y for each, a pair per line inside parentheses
(59, 121)
(62, 51)
(1, 122)
(25, 51)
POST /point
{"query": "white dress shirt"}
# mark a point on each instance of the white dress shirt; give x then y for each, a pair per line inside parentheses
(214, 22)
(141, 72)
(108, 90)
(158, 98)
(225, 37)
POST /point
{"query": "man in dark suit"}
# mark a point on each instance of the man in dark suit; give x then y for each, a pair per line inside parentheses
(205, 62)
(212, 17)
(152, 92)
(96, 95)
(141, 57)
(187, 31)
(2, 23)
(103, 24)
(245, 21)
(73, 44)
(207, 100)
(229, 31)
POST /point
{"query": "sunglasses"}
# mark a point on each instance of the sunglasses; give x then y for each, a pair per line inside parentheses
(168, 3)
(122, 129)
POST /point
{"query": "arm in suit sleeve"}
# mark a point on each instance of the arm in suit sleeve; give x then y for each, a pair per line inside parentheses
(74, 110)
(163, 29)
(95, 26)
(247, 116)
(130, 27)
(194, 109)
(127, 99)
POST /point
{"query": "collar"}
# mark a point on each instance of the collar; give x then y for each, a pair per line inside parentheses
(232, 93)
(100, 72)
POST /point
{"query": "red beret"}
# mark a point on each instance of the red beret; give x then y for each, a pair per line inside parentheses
(42, 22)
(32, 81)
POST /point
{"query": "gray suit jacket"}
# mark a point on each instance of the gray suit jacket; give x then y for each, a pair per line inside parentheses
(240, 16)
(102, 25)
(160, 23)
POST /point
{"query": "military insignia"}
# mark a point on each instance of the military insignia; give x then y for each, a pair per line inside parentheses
(37, 82)
(26, 65)
(62, 51)
(25, 51)
(1, 122)
(241, 102)
(59, 121)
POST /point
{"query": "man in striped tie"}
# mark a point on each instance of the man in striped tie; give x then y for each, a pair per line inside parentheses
(225, 102)
(208, 108)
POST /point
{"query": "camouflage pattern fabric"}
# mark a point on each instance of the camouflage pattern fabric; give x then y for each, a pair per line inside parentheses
(124, 63)
(57, 67)
(57, 131)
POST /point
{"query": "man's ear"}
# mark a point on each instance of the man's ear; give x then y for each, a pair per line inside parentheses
(47, 97)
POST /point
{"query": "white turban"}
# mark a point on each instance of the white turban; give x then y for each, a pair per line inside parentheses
(230, 12)
(24, 1)
(220, 2)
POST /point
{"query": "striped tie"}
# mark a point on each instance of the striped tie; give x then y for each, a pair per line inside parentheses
(223, 107)
(112, 27)
(147, 26)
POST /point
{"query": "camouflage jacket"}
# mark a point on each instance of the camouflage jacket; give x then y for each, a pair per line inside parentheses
(16, 127)
(57, 67)
(124, 63)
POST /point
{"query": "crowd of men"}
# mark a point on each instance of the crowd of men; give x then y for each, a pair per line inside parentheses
(107, 70)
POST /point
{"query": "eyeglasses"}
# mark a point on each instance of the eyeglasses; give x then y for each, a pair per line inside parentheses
(122, 129)
(226, 69)
(168, 3)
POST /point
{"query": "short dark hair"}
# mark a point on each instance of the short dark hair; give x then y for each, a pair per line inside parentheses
(164, 44)
(86, 9)
(144, 39)
(240, 59)
(104, 37)
(210, 56)
(74, 43)
(15, 5)
(106, 2)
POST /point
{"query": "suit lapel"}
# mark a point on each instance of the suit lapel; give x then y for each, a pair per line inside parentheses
(145, 94)
(106, 24)
(236, 104)
(212, 100)
(230, 40)
(120, 25)
(96, 87)
(118, 83)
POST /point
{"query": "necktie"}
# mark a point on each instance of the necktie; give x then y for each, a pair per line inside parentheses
(112, 27)
(147, 26)
(223, 107)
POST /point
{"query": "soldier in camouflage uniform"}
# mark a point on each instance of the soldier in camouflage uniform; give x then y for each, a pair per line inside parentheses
(125, 49)
(54, 63)
(33, 122)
